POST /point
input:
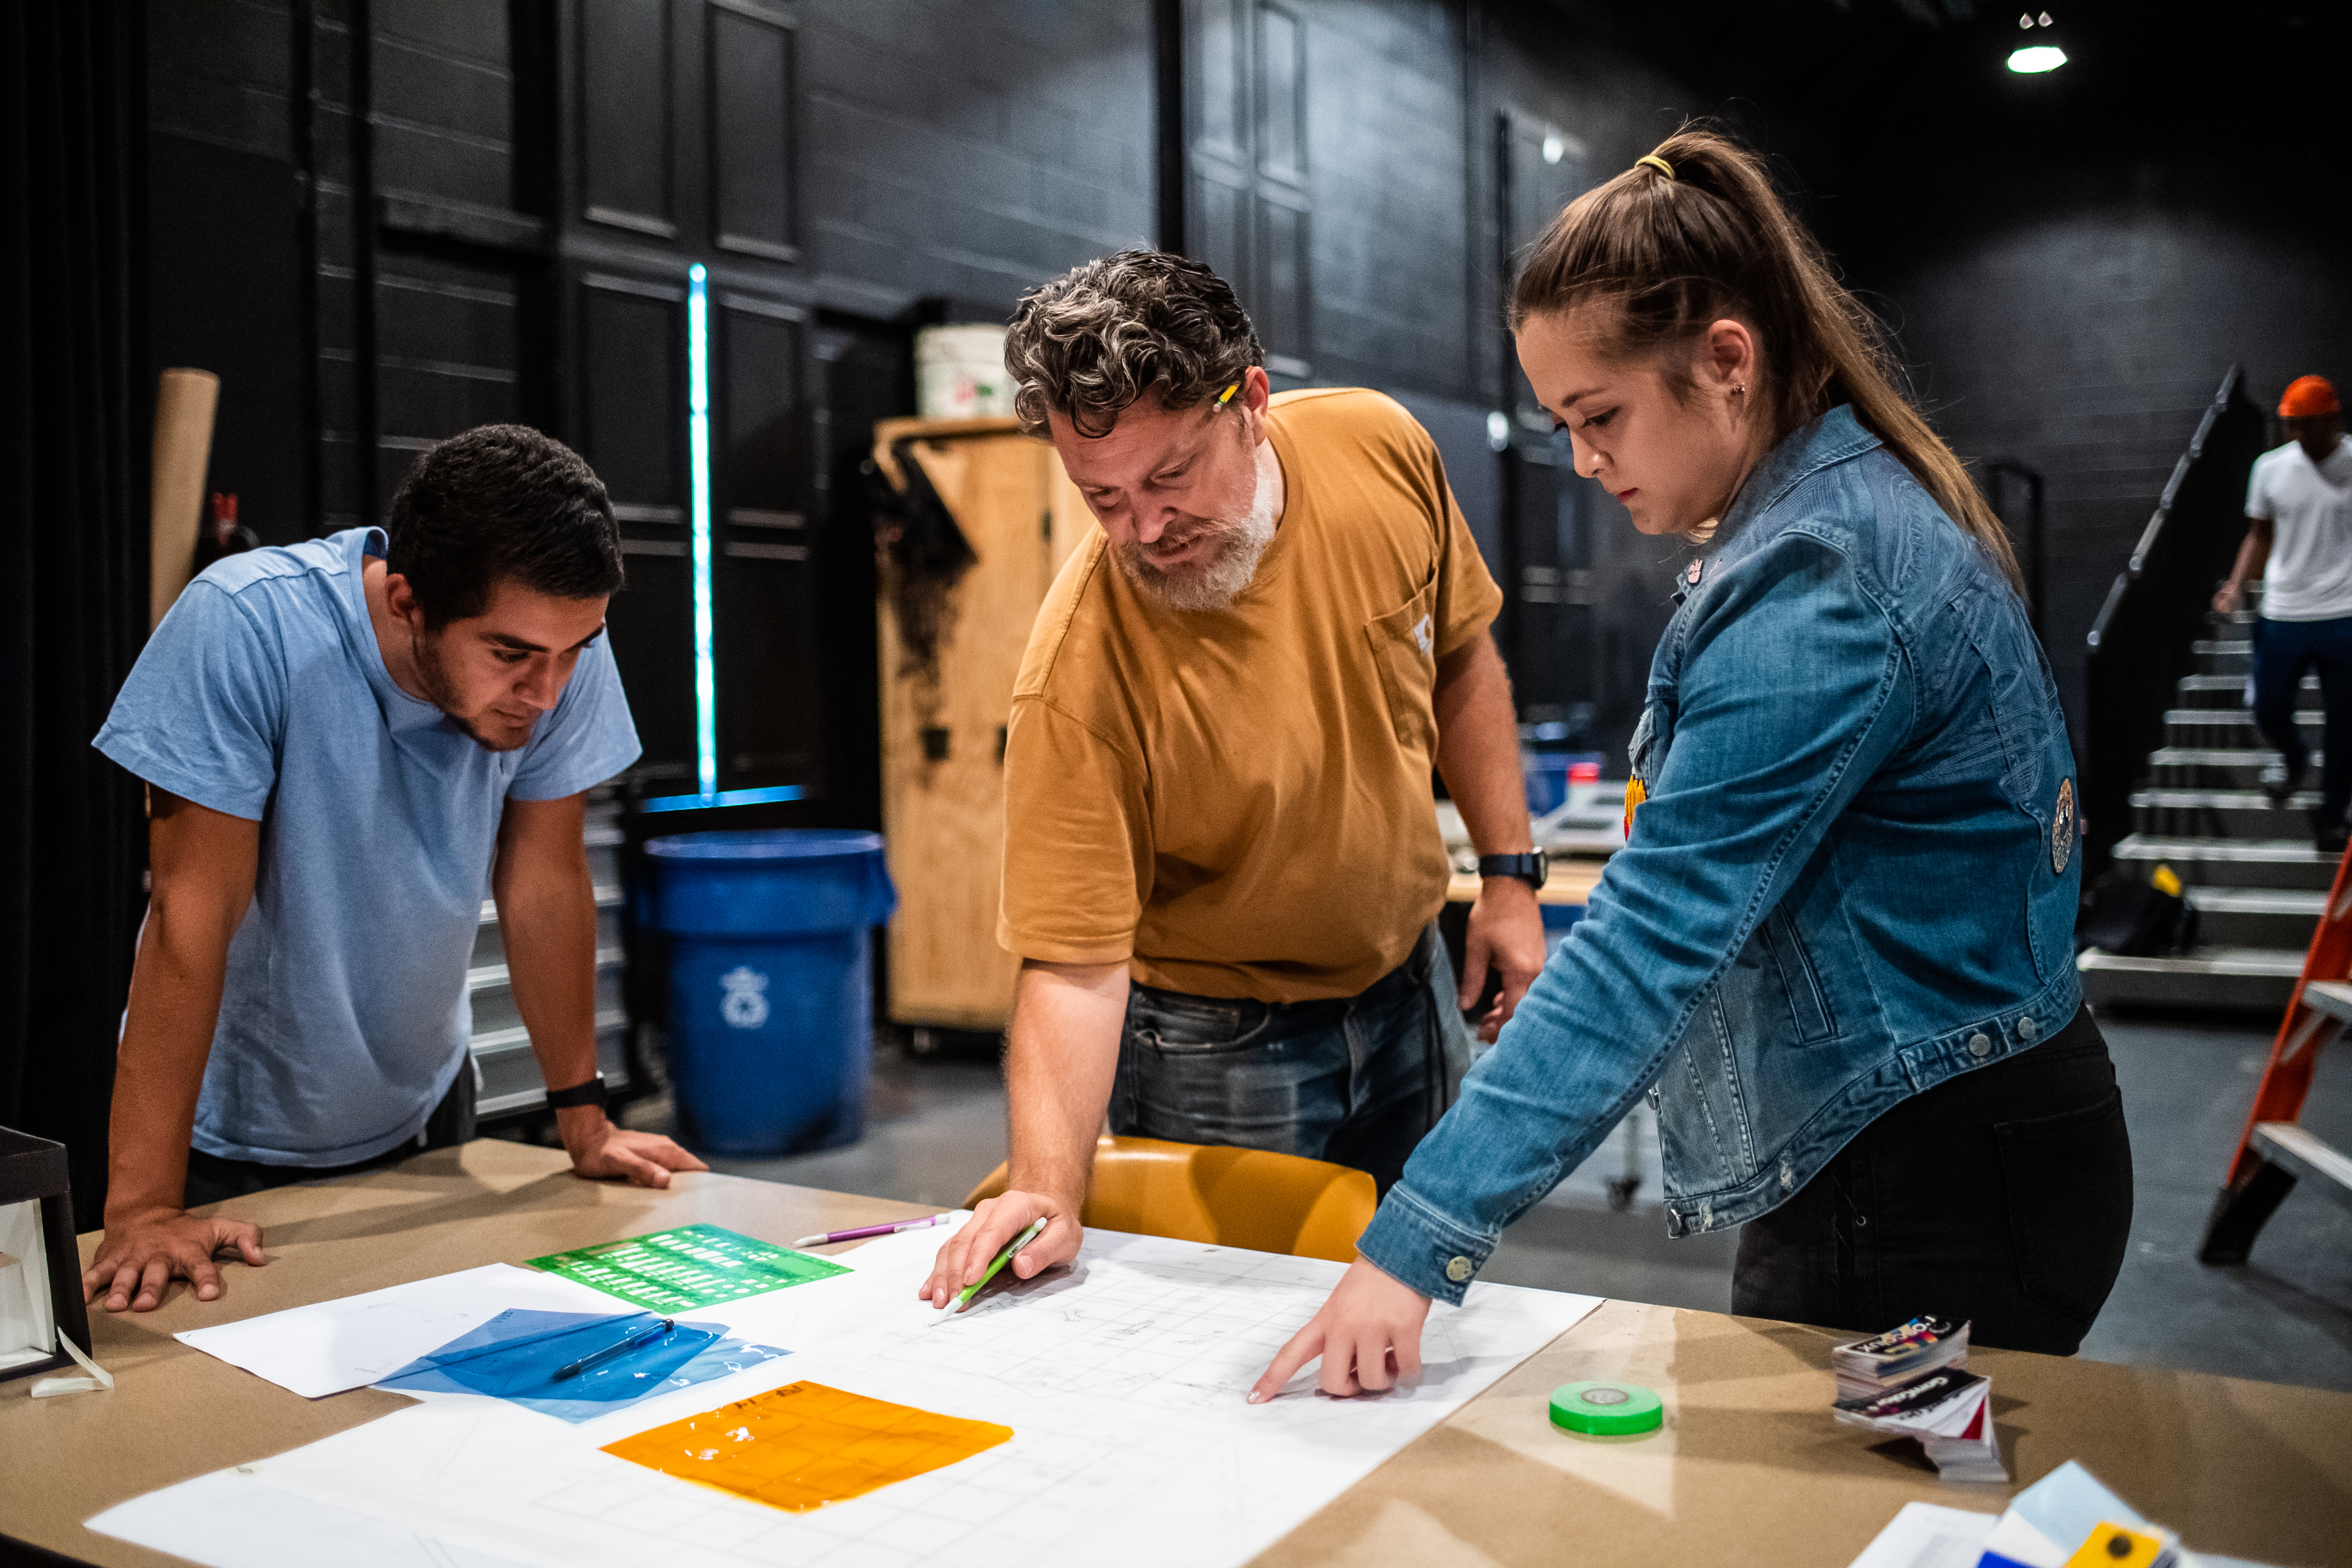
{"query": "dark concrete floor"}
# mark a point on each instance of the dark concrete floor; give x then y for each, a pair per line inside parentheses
(937, 1128)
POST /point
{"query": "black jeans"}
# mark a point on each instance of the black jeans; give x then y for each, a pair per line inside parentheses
(2283, 650)
(2002, 1196)
(1357, 1080)
(213, 1180)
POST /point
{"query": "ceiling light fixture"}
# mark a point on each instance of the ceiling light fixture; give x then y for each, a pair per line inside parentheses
(2036, 58)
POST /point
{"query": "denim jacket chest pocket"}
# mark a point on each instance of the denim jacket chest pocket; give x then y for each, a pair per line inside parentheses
(1645, 753)
(1404, 653)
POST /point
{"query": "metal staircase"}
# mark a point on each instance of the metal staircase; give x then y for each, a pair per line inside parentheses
(506, 1075)
(2247, 867)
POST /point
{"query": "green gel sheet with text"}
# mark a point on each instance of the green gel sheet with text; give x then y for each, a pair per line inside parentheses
(688, 1267)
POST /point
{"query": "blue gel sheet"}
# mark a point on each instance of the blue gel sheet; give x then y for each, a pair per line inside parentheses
(516, 1355)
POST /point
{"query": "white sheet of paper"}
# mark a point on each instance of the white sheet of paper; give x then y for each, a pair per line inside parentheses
(1123, 1378)
(350, 1342)
(1925, 1535)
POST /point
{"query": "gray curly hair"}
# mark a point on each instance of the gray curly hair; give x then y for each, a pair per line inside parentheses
(1107, 332)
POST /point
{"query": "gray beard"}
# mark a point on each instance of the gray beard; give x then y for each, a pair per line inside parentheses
(1243, 542)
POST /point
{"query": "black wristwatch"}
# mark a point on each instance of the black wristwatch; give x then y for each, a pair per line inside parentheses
(589, 1093)
(1530, 868)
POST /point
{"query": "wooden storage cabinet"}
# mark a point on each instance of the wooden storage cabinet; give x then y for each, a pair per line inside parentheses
(944, 794)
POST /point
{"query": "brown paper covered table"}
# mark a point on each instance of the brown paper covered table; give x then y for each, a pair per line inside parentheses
(1749, 1468)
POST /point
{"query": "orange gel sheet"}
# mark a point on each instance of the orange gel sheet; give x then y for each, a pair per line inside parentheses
(805, 1445)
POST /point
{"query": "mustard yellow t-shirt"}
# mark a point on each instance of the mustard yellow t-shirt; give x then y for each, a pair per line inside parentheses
(1237, 801)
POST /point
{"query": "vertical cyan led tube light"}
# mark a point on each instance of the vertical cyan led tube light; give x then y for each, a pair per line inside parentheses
(698, 431)
(705, 707)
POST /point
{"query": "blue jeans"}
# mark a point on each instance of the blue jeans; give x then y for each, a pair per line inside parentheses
(1356, 1081)
(2283, 650)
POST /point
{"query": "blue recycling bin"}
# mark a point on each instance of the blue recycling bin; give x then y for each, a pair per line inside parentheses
(771, 983)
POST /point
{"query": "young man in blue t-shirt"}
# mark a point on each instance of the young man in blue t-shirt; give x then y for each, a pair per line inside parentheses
(346, 743)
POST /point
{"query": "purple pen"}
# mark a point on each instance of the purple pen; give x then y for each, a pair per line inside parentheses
(863, 1231)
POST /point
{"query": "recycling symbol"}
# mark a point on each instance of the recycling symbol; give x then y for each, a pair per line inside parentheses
(746, 1004)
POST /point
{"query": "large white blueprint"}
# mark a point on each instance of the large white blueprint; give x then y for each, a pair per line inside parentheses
(1122, 1378)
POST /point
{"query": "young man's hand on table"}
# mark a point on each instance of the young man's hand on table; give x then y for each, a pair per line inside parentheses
(201, 870)
(144, 1252)
(547, 922)
(1368, 1333)
(599, 1149)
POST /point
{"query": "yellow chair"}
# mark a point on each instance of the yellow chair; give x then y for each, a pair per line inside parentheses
(1232, 1197)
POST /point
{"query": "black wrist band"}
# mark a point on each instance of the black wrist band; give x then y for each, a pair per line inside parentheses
(589, 1093)
(1531, 868)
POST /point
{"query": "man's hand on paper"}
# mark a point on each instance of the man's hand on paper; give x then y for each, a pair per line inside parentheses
(1368, 1333)
(143, 1253)
(598, 1148)
(992, 1227)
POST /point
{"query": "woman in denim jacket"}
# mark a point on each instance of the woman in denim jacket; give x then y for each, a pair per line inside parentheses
(1837, 950)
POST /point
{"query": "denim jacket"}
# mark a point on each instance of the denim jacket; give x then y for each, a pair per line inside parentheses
(1854, 877)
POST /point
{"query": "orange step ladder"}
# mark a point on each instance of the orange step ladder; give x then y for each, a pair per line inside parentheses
(2276, 1151)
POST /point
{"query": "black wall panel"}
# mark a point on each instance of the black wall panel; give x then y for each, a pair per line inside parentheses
(753, 98)
(632, 428)
(449, 355)
(763, 348)
(443, 88)
(1248, 206)
(224, 275)
(768, 707)
(626, 98)
(633, 390)
(652, 626)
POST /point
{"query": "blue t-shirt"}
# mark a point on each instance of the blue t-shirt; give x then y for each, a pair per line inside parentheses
(264, 695)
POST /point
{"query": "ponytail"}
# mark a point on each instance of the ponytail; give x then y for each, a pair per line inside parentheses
(1694, 233)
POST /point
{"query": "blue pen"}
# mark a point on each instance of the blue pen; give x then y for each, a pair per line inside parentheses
(618, 1347)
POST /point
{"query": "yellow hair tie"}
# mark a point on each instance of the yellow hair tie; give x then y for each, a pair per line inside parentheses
(1660, 165)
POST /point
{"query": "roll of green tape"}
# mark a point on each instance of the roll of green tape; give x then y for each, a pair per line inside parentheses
(1606, 1409)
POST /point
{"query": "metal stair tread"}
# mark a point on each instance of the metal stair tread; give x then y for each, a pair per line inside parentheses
(2232, 683)
(608, 897)
(2258, 901)
(2229, 716)
(490, 976)
(2210, 756)
(517, 1038)
(2264, 962)
(2277, 851)
(2220, 799)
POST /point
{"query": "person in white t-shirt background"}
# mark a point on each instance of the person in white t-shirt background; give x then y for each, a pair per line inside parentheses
(2299, 543)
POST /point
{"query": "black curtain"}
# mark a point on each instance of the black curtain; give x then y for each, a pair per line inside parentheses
(73, 478)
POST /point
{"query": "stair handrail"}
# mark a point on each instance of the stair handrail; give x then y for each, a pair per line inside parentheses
(2148, 535)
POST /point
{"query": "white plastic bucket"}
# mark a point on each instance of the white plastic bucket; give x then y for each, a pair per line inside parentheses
(960, 373)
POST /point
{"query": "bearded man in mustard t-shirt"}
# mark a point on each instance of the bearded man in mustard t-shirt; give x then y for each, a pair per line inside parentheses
(1222, 860)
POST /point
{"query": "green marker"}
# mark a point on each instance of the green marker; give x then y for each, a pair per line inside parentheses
(963, 1298)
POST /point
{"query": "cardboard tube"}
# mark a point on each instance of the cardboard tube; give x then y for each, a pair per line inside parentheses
(184, 401)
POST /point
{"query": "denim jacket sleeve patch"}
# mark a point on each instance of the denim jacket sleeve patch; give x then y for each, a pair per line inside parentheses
(1791, 686)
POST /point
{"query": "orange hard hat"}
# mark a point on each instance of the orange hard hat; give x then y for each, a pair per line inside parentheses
(2307, 396)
